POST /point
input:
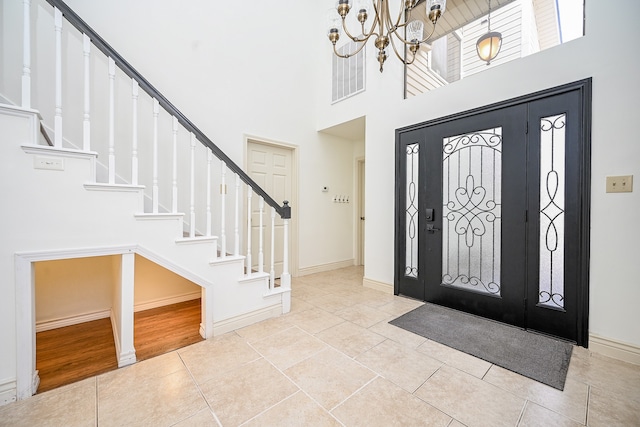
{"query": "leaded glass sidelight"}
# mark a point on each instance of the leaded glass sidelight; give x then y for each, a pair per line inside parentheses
(411, 209)
(552, 187)
(471, 211)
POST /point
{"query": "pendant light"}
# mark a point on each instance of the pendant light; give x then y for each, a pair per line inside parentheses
(488, 46)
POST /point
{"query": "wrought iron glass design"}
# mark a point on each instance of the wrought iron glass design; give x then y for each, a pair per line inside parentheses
(411, 232)
(471, 211)
(552, 154)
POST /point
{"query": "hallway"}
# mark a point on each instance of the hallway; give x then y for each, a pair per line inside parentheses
(334, 360)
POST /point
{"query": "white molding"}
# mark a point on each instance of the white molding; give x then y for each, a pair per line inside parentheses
(247, 319)
(326, 267)
(615, 349)
(64, 152)
(56, 254)
(116, 337)
(61, 322)
(161, 302)
(90, 186)
(7, 391)
(230, 259)
(378, 286)
(158, 216)
(197, 239)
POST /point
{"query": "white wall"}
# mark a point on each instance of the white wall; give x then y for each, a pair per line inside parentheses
(615, 270)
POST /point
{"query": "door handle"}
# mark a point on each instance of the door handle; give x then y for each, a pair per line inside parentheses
(361, 218)
(432, 229)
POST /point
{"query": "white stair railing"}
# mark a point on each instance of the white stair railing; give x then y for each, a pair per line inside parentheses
(175, 175)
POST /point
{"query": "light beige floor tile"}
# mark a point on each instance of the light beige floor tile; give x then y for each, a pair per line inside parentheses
(331, 302)
(402, 366)
(314, 320)
(362, 315)
(298, 410)
(298, 305)
(382, 403)
(470, 400)
(350, 338)
(209, 357)
(329, 377)
(305, 292)
(154, 400)
(204, 418)
(607, 410)
(399, 335)
(400, 306)
(71, 405)
(572, 402)
(536, 416)
(138, 373)
(263, 329)
(289, 347)
(238, 395)
(458, 359)
(609, 374)
(456, 423)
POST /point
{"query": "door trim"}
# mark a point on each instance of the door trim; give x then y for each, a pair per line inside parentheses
(293, 223)
(585, 88)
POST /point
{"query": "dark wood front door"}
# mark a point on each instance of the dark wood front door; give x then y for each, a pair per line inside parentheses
(492, 212)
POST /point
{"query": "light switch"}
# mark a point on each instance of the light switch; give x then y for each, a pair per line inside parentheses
(620, 184)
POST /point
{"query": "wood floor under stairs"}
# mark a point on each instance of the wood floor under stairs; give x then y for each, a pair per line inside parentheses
(70, 354)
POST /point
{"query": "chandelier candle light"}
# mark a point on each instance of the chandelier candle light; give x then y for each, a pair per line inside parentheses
(383, 27)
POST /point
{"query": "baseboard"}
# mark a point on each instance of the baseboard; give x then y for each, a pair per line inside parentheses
(247, 319)
(378, 286)
(325, 267)
(161, 302)
(71, 320)
(615, 349)
(8, 390)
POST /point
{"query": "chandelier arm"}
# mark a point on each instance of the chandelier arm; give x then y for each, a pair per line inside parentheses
(349, 55)
(395, 50)
(429, 36)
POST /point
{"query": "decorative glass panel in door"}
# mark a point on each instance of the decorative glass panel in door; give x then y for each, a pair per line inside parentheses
(471, 211)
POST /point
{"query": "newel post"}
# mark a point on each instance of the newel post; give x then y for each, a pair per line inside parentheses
(285, 278)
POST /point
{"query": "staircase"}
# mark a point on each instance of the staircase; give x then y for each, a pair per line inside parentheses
(124, 172)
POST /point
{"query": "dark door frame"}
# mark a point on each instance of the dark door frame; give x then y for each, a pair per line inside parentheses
(585, 89)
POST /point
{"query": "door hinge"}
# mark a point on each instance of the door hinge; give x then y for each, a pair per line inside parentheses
(526, 216)
(526, 128)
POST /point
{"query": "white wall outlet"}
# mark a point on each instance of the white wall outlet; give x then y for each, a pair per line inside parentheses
(620, 184)
(50, 163)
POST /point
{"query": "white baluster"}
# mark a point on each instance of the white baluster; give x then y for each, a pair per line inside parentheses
(261, 239)
(272, 271)
(112, 118)
(192, 184)
(156, 112)
(26, 55)
(285, 278)
(57, 121)
(249, 232)
(86, 122)
(236, 231)
(223, 195)
(174, 178)
(209, 160)
(134, 136)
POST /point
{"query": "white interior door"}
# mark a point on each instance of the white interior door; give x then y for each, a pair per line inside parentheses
(272, 168)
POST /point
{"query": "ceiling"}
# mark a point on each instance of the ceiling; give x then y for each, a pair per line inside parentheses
(352, 130)
(457, 14)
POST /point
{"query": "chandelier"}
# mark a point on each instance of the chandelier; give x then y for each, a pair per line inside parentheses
(382, 26)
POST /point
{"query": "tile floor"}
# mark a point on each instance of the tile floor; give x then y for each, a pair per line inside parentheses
(335, 361)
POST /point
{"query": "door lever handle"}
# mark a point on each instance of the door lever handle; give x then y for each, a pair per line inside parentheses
(432, 229)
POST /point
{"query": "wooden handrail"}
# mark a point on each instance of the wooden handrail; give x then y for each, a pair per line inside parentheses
(284, 211)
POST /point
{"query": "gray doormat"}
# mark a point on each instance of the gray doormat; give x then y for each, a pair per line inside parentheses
(536, 356)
